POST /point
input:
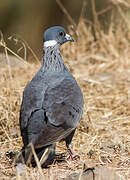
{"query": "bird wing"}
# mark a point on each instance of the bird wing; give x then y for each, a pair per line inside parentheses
(63, 103)
(32, 102)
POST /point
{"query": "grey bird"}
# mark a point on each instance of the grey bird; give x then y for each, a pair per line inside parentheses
(52, 103)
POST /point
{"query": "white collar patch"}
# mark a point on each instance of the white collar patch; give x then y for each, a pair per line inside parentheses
(50, 43)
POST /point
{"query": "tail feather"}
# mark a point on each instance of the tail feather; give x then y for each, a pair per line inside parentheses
(25, 154)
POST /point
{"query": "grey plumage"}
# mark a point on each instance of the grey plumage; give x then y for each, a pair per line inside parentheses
(52, 104)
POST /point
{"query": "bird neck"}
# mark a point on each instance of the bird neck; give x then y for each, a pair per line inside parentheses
(52, 59)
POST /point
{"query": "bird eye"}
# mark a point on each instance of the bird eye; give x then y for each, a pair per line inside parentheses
(61, 33)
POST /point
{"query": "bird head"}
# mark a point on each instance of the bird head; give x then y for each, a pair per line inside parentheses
(56, 35)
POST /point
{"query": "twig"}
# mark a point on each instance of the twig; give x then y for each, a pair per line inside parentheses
(66, 13)
(104, 10)
(12, 52)
(25, 43)
(123, 16)
(37, 161)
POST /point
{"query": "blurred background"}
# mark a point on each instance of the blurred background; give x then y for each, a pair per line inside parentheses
(27, 19)
(99, 59)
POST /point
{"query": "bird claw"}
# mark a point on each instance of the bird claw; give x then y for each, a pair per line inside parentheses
(73, 156)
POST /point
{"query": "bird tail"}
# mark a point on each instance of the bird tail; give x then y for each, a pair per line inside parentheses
(44, 154)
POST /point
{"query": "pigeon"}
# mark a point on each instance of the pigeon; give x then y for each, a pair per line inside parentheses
(52, 103)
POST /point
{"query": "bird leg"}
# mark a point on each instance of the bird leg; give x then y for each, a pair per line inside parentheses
(72, 153)
(68, 139)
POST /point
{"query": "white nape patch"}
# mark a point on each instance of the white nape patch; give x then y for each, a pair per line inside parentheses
(50, 43)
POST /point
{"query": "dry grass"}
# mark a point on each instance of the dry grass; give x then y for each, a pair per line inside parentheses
(102, 68)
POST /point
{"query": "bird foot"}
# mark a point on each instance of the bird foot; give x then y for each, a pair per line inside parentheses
(73, 156)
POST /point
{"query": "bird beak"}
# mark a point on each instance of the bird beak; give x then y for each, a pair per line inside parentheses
(68, 38)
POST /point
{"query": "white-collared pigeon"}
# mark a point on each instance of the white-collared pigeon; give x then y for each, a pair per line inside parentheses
(52, 104)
